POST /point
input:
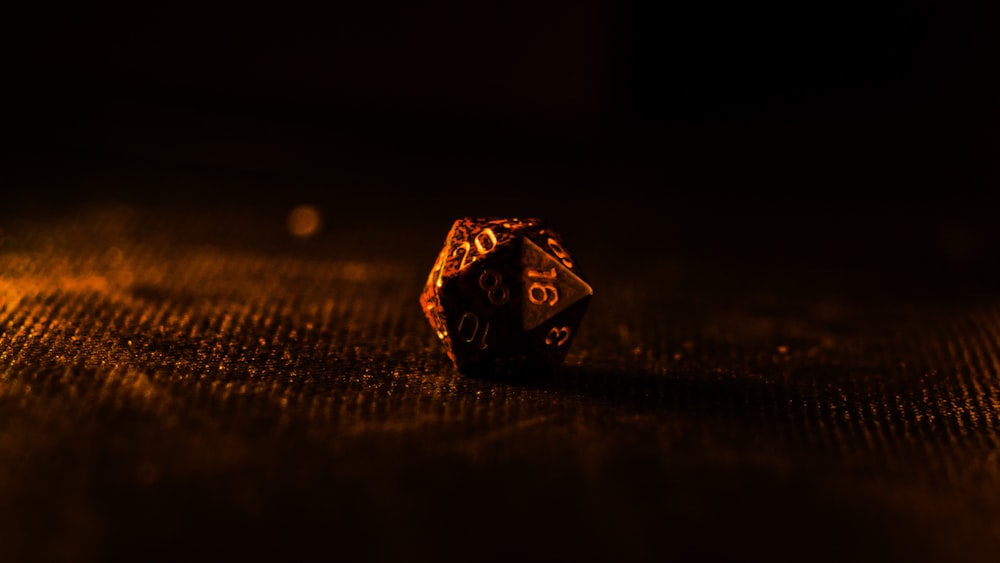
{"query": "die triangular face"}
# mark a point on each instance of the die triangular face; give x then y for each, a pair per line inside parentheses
(547, 285)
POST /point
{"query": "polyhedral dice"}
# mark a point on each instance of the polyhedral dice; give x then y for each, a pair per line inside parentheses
(505, 297)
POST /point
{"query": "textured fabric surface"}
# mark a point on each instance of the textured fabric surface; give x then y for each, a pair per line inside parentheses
(193, 382)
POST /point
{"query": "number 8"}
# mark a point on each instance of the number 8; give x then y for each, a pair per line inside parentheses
(560, 252)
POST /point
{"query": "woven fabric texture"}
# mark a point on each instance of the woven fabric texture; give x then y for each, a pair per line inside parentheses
(184, 383)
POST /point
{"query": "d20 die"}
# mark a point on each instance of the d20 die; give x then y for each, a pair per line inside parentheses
(505, 297)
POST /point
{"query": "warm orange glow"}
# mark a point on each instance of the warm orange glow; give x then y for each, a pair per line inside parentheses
(304, 221)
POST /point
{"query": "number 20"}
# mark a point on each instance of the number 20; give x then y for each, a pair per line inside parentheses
(485, 241)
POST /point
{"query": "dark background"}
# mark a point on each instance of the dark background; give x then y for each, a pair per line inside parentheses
(788, 210)
(880, 105)
(774, 132)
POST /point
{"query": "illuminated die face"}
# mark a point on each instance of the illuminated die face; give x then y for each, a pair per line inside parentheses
(505, 297)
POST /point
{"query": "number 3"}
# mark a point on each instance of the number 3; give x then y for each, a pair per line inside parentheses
(557, 336)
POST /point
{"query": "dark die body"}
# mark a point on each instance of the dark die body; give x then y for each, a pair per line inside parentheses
(505, 297)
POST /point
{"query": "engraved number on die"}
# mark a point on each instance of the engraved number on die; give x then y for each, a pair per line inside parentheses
(492, 283)
(543, 290)
(468, 330)
(560, 252)
(484, 241)
(557, 336)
